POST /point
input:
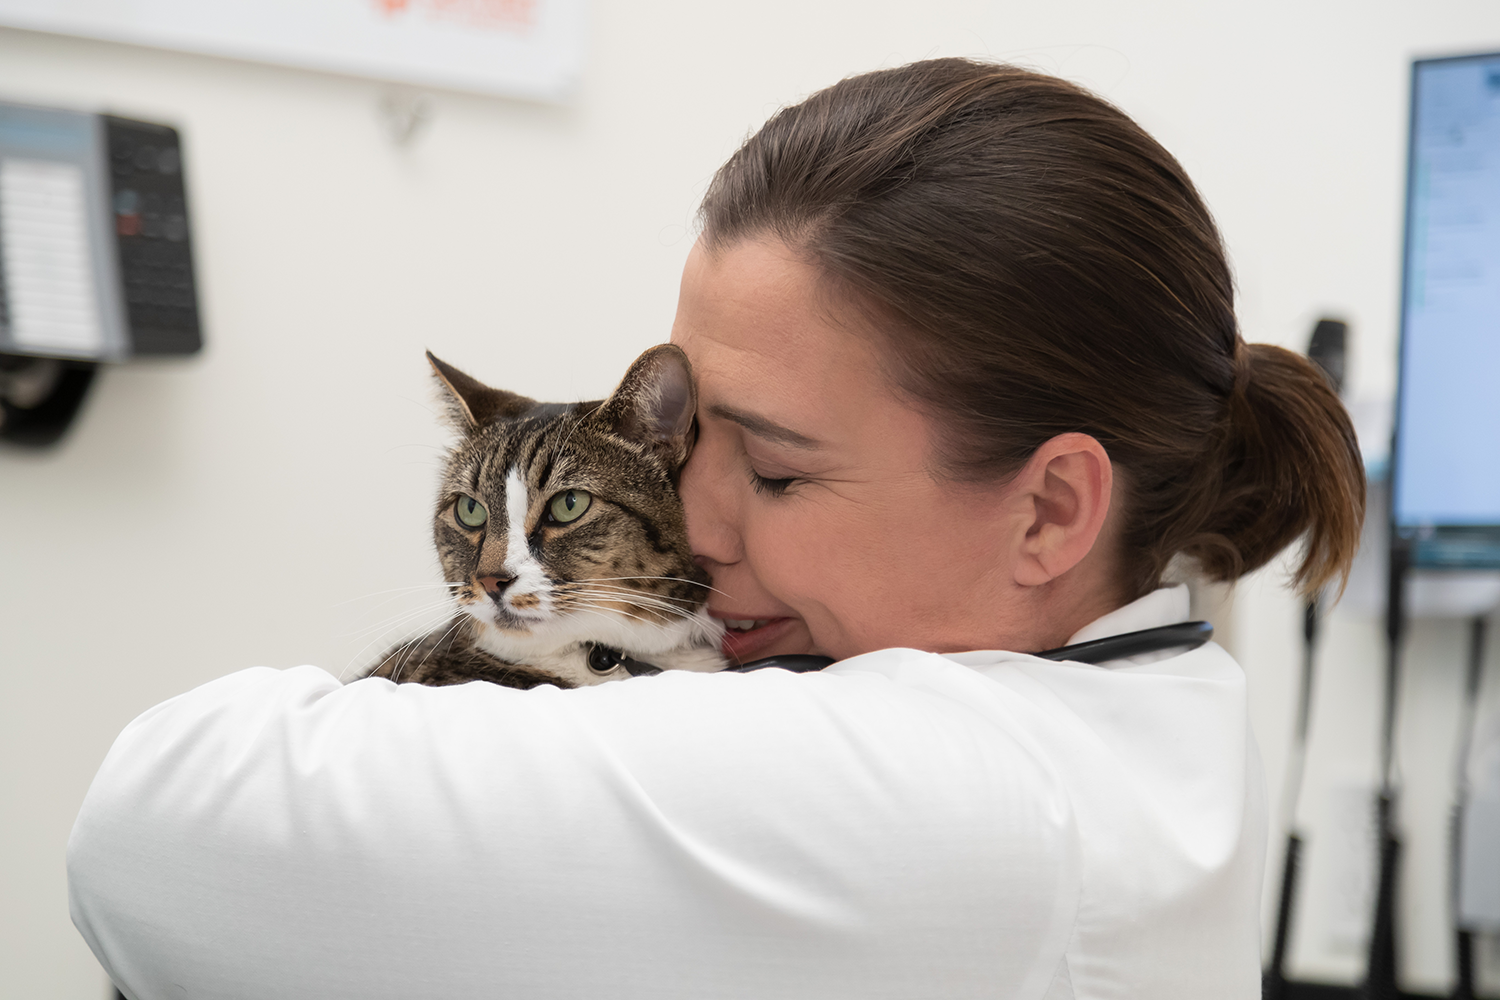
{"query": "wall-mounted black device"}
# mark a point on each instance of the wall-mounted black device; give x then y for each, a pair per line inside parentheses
(96, 262)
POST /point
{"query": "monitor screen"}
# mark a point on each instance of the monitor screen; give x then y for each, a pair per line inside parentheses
(1447, 447)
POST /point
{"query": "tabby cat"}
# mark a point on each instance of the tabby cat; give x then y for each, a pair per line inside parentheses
(562, 537)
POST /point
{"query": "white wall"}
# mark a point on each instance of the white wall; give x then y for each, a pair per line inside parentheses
(242, 507)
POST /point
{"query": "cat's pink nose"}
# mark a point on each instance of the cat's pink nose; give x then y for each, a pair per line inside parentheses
(495, 585)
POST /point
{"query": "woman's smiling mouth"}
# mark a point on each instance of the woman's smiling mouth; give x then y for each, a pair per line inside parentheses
(746, 638)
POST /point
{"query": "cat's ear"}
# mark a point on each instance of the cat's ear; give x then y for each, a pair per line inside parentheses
(655, 403)
(471, 403)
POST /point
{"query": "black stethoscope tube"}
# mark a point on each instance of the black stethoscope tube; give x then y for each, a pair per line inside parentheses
(1183, 635)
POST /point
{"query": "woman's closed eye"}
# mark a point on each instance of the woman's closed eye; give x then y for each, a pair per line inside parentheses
(767, 485)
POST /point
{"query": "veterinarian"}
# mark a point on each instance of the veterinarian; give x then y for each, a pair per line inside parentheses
(970, 384)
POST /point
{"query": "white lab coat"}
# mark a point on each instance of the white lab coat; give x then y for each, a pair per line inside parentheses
(901, 825)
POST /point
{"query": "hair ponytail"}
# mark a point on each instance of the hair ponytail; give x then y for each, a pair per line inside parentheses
(1288, 467)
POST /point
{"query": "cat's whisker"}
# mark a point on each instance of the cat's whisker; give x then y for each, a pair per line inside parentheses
(614, 588)
(675, 579)
(397, 594)
(686, 609)
(600, 605)
(664, 609)
(383, 631)
(434, 599)
(597, 614)
(396, 621)
(662, 614)
(397, 590)
(605, 608)
(408, 650)
(414, 645)
(420, 624)
(627, 591)
(577, 423)
(663, 600)
(437, 601)
(360, 655)
(605, 615)
(447, 633)
(382, 637)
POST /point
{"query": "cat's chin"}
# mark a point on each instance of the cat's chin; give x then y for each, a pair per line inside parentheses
(558, 634)
(503, 620)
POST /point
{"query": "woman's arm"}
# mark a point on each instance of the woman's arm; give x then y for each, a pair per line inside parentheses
(278, 834)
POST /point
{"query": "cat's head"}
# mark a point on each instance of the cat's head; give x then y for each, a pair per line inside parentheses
(558, 524)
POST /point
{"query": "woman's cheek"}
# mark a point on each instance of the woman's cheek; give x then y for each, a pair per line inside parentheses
(811, 555)
(783, 551)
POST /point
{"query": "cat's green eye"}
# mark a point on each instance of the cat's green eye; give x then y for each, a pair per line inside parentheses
(470, 512)
(569, 505)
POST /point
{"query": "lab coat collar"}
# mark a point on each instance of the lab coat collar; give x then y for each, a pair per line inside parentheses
(1164, 606)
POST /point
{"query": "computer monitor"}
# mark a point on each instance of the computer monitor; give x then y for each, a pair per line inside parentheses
(1446, 459)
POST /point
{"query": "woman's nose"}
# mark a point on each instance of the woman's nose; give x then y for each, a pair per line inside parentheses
(712, 529)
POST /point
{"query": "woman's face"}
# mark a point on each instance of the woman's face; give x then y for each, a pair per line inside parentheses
(810, 495)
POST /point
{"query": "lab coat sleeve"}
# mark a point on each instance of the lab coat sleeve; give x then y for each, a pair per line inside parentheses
(275, 833)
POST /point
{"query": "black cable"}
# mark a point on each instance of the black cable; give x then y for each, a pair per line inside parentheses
(1380, 969)
(1183, 635)
(1463, 988)
(42, 422)
(1274, 983)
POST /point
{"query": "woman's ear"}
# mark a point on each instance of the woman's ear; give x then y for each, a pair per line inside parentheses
(1064, 491)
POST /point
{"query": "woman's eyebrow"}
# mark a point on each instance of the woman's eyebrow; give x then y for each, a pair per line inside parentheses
(763, 428)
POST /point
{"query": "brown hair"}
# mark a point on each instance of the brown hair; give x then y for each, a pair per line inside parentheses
(1041, 265)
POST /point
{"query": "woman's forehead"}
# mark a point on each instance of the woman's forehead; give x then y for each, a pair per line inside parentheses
(769, 346)
(753, 315)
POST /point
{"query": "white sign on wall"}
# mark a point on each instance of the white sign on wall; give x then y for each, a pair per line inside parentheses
(518, 48)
